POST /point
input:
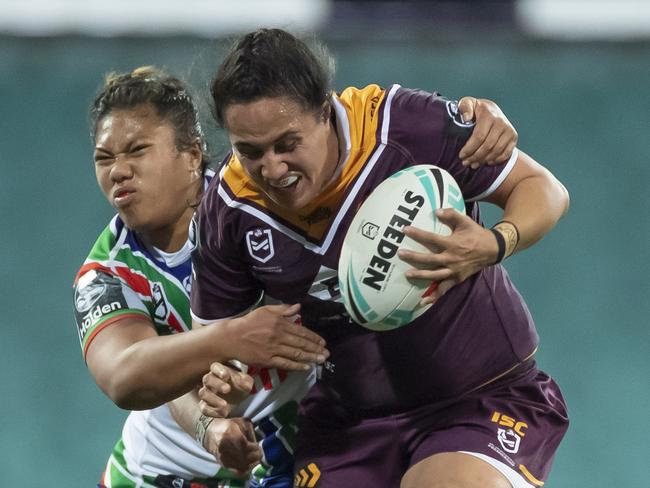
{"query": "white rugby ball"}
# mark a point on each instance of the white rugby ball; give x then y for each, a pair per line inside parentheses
(375, 291)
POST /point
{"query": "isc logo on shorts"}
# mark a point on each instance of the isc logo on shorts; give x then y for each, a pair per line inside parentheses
(510, 437)
(506, 421)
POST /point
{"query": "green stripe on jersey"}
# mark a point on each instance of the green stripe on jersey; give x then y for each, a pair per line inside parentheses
(118, 476)
(111, 251)
(176, 296)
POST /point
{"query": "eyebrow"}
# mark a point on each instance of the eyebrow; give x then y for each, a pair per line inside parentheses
(287, 135)
(137, 141)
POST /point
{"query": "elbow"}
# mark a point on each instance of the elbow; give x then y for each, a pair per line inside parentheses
(563, 198)
(567, 199)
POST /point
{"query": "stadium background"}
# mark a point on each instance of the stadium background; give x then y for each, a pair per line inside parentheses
(581, 105)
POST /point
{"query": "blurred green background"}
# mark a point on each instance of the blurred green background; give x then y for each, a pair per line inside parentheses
(583, 110)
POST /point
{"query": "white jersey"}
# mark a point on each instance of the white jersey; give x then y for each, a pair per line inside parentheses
(122, 277)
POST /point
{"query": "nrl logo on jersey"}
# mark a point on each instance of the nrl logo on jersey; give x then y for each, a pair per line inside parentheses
(159, 302)
(456, 116)
(260, 244)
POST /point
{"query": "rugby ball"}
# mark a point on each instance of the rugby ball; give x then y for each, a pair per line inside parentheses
(375, 292)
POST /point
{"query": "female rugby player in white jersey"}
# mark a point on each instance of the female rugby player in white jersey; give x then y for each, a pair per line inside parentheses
(132, 294)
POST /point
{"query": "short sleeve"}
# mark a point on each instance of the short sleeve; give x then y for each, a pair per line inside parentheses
(100, 299)
(429, 129)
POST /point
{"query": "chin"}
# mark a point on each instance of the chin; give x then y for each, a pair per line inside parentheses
(292, 203)
(132, 221)
(294, 199)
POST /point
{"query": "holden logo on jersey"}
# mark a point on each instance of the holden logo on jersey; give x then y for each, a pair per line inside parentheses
(160, 305)
(88, 291)
(260, 244)
(509, 440)
(454, 113)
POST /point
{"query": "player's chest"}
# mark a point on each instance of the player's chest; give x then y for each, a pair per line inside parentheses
(286, 266)
(287, 260)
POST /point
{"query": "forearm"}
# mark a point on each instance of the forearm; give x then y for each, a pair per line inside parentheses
(156, 370)
(185, 411)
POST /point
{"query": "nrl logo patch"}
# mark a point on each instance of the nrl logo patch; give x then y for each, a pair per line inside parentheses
(454, 113)
(509, 440)
(159, 302)
(370, 230)
(260, 244)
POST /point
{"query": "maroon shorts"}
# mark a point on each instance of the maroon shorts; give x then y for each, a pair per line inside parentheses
(518, 421)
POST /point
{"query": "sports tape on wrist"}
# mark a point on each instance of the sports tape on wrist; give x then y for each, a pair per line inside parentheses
(201, 427)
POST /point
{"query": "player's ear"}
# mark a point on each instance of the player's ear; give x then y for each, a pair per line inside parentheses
(326, 111)
(195, 156)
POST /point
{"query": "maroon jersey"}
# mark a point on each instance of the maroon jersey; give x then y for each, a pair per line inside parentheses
(250, 248)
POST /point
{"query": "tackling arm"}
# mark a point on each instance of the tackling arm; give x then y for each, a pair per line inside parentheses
(139, 370)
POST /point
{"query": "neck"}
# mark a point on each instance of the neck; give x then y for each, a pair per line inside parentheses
(170, 238)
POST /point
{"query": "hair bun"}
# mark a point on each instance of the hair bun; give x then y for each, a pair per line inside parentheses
(148, 72)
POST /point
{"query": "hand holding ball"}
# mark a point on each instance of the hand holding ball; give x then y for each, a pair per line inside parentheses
(375, 291)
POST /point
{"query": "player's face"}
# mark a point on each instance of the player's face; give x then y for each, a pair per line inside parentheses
(290, 152)
(144, 176)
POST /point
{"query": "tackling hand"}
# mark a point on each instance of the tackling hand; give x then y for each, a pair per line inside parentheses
(493, 139)
(268, 337)
(232, 442)
(223, 387)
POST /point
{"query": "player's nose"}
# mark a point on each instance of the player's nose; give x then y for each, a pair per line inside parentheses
(273, 168)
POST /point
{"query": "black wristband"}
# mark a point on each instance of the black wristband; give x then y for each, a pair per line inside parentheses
(501, 242)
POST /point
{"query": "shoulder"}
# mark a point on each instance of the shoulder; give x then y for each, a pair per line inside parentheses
(119, 253)
(423, 126)
(103, 247)
(101, 298)
(219, 207)
(364, 100)
(415, 110)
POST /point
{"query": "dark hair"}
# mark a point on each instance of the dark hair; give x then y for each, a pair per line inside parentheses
(149, 85)
(272, 63)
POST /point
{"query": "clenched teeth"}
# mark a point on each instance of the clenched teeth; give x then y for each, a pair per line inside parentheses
(285, 182)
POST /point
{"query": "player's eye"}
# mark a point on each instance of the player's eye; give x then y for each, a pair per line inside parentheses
(102, 159)
(250, 153)
(139, 149)
(285, 147)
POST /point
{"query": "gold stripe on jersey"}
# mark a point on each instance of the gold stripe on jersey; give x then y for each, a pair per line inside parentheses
(362, 112)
